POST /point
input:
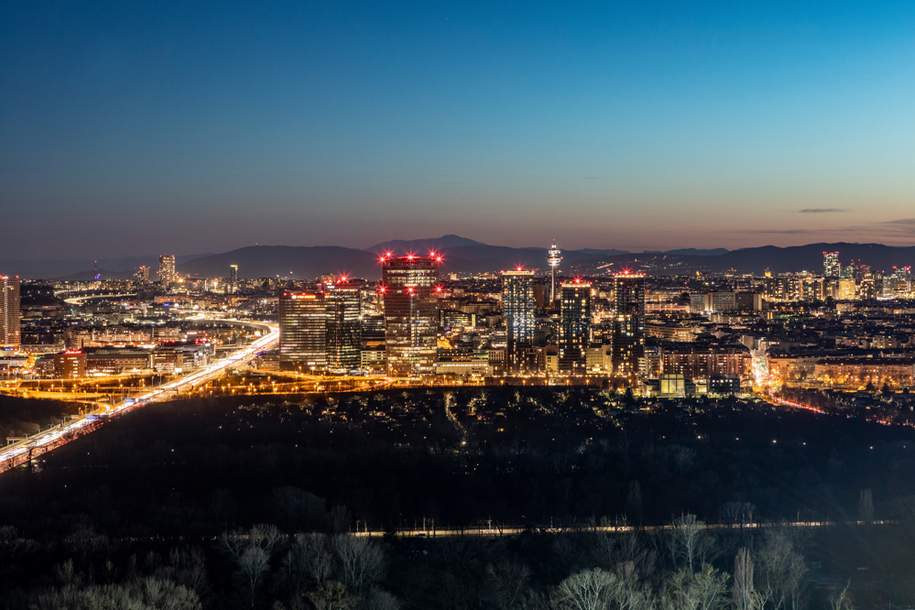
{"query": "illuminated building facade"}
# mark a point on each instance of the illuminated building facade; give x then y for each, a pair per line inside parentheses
(167, 273)
(10, 324)
(142, 274)
(832, 268)
(232, 280)
(574, 326)
(303, 330)
(628, 341)
(553, 260)
(409, 285)
(344, 325)
(518, 313)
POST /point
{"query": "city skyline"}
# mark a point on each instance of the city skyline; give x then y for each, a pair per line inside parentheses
(203, 129)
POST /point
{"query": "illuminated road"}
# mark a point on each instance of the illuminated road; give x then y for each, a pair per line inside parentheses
(44, 442)
(493, 531)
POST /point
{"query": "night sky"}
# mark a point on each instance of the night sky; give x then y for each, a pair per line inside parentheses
(135, 128)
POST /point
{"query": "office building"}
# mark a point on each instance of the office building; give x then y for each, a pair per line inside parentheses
(343, 303)
(10, 325)
(574, 326)
(303, 332)
(518, 314)
(167, 273)
(832, 268)
(628, 339)
(410, 313)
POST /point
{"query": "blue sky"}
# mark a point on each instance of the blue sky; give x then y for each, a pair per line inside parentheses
(134, 128)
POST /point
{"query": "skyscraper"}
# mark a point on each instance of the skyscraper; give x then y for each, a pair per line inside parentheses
(832, 268)
(303, 331)
(553, 259)
(232, 280)
(167, 273)
(410, 313)
(628, 340)
(10, 333)
(575, 326)
(344, 324)
(518, 312)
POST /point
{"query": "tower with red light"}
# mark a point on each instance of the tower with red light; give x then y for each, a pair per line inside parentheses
(410, 292)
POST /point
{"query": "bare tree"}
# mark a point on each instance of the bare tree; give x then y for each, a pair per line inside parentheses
(842, 600)
(598, 589)
(689, 543)
(704, 590)
(587, 590)
(317, 558)
(361, 561)
(743, 591)
(781, 571)
(252, 565)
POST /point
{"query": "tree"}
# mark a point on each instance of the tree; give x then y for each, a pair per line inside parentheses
(598, 589)
(331, 595)
(361, 562)
(842, 600)
(252, 564)
(743, 592)
(781, 571)
(688, 542)
(587, 590)
(704, 590)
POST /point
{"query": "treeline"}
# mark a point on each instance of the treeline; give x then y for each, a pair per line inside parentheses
(685, 567)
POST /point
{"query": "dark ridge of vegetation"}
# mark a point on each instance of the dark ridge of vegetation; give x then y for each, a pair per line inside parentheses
(391, 460)
(26, 416)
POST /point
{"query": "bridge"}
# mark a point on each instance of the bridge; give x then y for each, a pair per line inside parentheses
(29, 448)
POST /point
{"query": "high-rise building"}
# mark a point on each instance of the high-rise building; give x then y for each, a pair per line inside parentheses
(167, 273)
(410, 312)
(10, 329)
(142, 274)
(574, 326)
(832, 268)
(303, 331)
(628, 341)
(344, 324)
(553, 260)
(518, 312)
(232, 280)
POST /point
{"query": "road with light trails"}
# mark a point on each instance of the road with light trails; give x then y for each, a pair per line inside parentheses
(46, 441)
(494, 531)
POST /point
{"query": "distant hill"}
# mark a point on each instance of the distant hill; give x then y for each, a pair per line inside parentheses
(421, 246)
(467, 255)
(810, 257)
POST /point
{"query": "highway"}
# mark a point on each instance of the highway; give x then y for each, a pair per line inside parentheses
(46, 441)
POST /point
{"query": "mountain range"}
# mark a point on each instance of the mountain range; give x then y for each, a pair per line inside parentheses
(467, 255)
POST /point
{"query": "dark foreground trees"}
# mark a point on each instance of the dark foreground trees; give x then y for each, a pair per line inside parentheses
(684, 566)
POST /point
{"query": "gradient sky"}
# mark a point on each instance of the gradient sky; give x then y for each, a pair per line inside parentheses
(134, 128)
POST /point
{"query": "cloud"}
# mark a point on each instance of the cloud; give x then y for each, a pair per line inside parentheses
(903, 222)
(822, 210)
